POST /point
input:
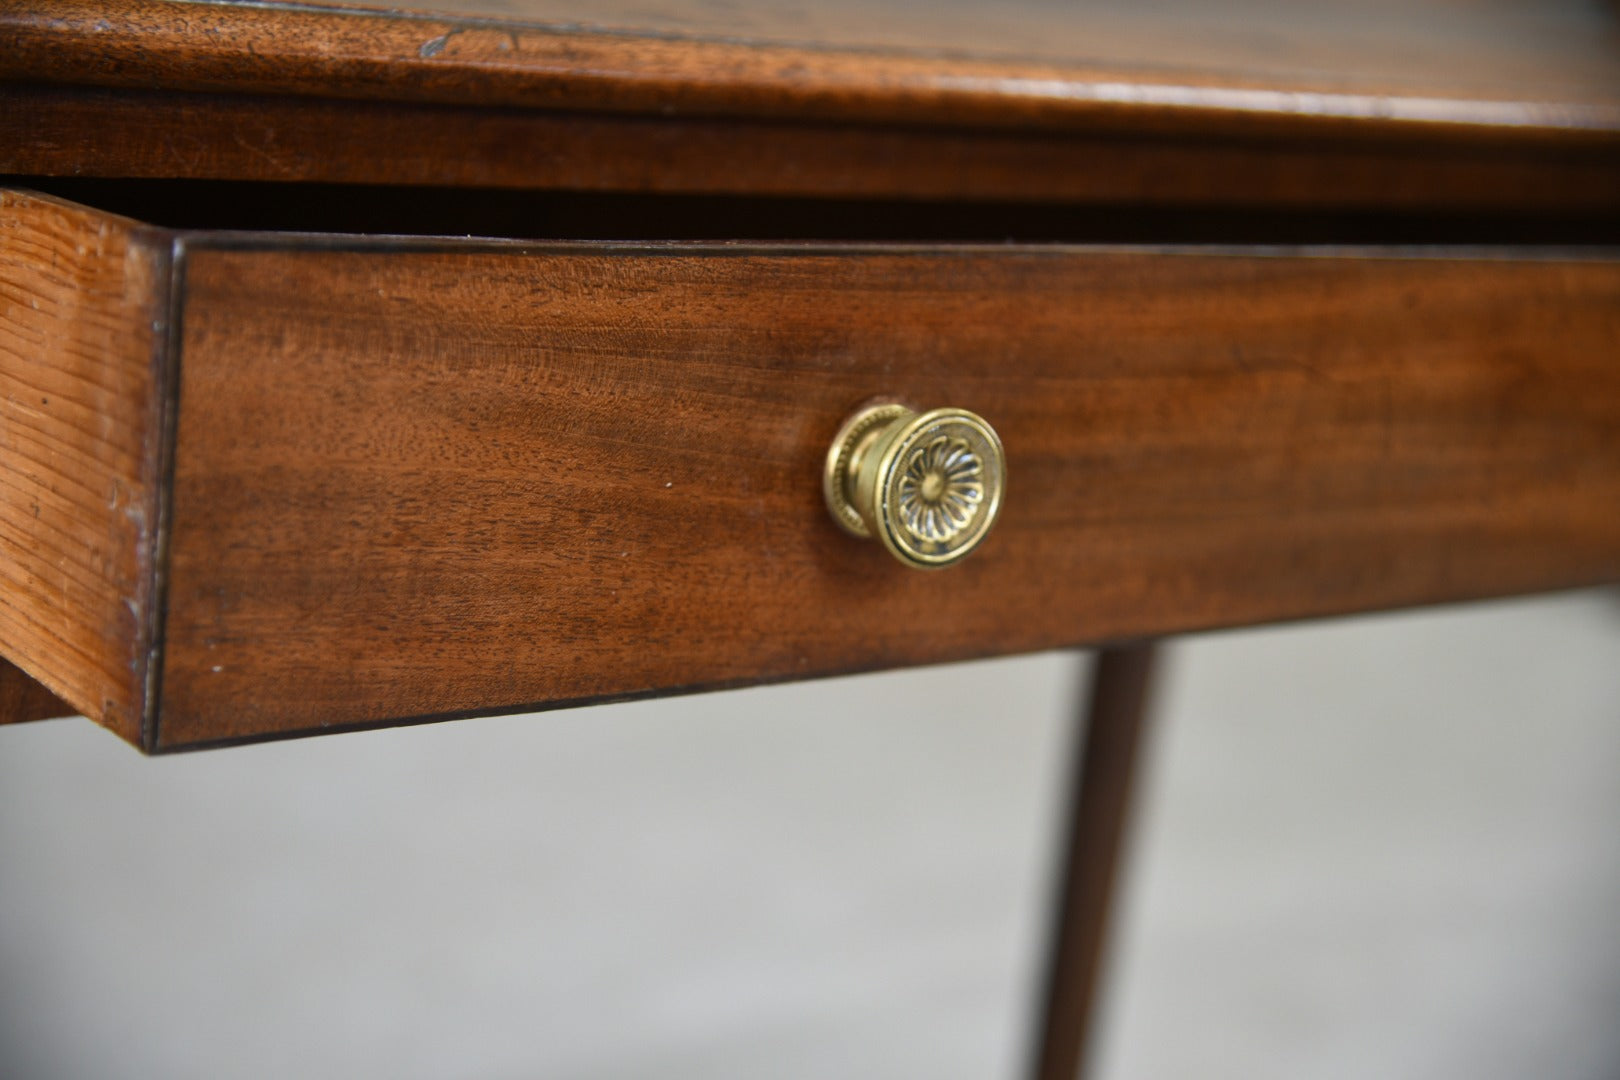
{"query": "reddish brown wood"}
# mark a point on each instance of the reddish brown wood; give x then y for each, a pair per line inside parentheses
(83, 332)
(1457, 69)
(1103, 774)
(54, 130)
(1481, 49)
(420, 478)
(429, 478)
(1420, 106)
(22, 698)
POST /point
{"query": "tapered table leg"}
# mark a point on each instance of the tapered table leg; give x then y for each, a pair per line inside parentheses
(1099, 800)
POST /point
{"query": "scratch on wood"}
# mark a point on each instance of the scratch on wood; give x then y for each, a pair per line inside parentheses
(434, 46)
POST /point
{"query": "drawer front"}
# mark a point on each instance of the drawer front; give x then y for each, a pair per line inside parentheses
(433, 479)
(272, 485)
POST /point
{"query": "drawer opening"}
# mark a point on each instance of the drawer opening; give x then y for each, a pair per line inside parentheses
(564, 215)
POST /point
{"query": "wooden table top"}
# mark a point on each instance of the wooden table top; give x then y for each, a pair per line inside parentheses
(1545, 67)
(1462, 106)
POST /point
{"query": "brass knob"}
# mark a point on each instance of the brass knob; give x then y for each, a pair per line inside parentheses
(927, 485)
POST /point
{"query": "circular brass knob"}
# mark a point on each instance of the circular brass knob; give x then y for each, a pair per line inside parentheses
(927, 485)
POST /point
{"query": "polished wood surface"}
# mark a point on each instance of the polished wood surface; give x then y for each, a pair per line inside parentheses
(1545, 68)
(92, 131)
(83, 329)
(1103, 774)
(1499, 49)
(418, 478)
(1503, 106)
(428, 478)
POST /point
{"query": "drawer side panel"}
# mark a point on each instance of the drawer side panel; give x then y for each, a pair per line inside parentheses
(83, 315)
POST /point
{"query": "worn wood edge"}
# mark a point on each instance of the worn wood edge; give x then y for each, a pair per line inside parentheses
(123, 706)
(392, 55)
(24, 698)
(161, 456)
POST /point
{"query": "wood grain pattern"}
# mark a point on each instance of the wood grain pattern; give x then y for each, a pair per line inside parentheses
(1447, 71)
(418, 478)
(1490, 49)
(83, 328)
(80, 131)
(22, 698)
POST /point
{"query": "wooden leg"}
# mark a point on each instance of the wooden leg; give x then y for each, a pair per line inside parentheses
(1099, 799)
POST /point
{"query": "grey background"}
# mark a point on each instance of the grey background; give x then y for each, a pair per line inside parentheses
(1371, 848)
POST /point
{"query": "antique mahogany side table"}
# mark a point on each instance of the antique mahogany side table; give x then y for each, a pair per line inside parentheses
(364, 366)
